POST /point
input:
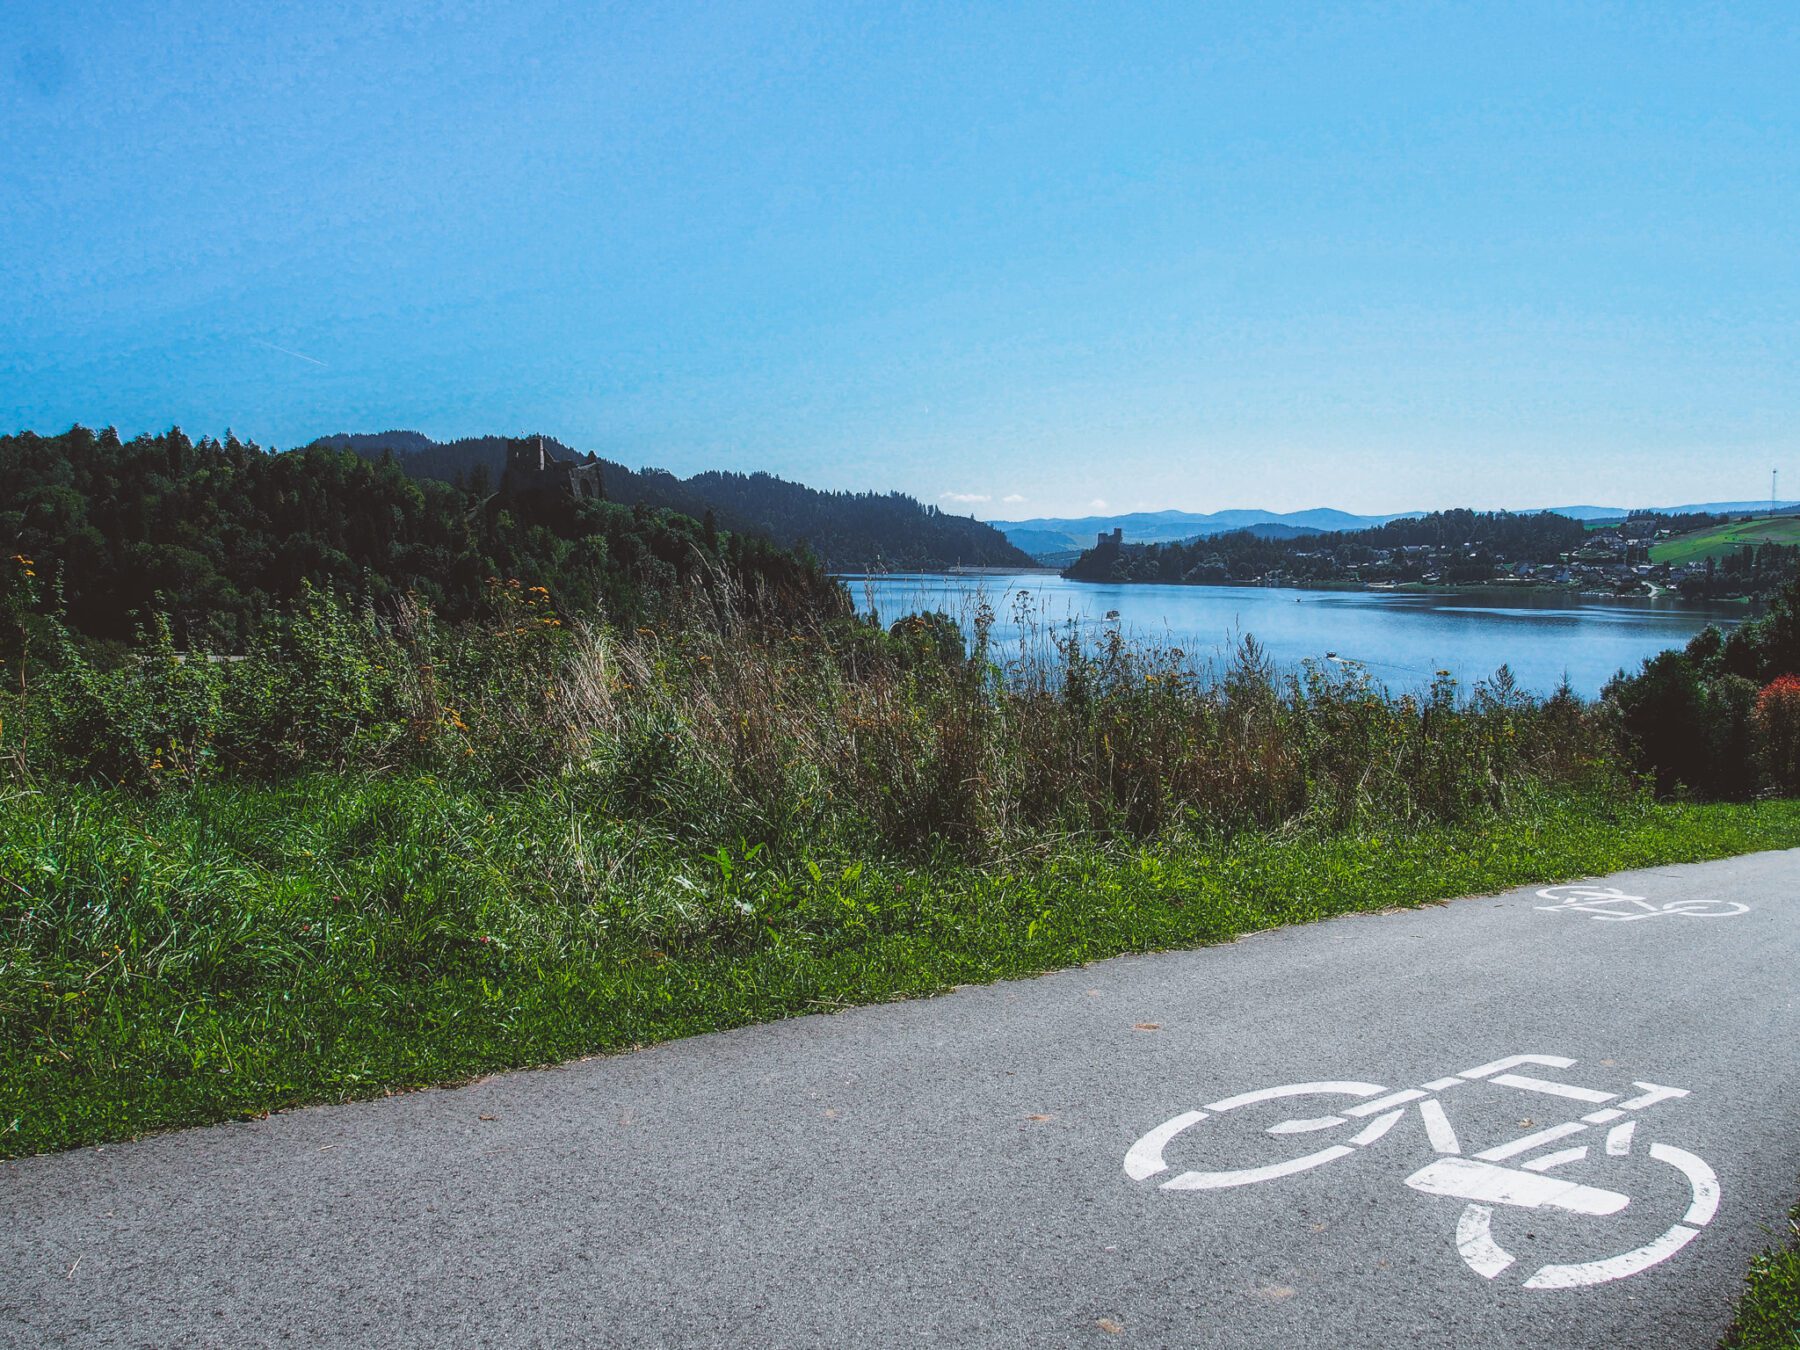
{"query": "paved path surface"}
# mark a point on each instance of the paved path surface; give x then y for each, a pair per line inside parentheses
(955, 1171)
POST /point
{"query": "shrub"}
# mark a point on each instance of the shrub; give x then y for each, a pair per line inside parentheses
(150, 721)
(1776, 722)
(321, 687)
(1689, 730)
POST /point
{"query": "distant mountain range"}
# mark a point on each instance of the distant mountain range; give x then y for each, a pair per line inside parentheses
(848, 531)
(1052, 535)
(1692, 508)
(1055, 538)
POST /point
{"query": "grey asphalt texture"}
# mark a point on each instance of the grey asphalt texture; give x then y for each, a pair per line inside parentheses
(950, 1171)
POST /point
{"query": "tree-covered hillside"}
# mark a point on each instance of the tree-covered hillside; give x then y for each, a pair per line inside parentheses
(216, 533)
(1454, 545)
(847, 531)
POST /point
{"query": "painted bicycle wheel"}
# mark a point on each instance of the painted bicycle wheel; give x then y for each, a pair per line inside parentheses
(1273, 1141)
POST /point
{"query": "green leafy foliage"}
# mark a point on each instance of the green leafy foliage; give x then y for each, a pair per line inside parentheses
(1768, 1315)
(1715, 718)
(1476, 538)
(183, 957)
(848, 531)
(220, 535)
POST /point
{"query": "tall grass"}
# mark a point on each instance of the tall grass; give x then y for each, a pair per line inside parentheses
(720, 726)
(174, 957)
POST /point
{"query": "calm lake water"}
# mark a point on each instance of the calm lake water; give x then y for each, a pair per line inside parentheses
(1402, 638)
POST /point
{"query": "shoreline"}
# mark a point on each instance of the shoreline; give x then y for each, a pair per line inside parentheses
(1661, 595)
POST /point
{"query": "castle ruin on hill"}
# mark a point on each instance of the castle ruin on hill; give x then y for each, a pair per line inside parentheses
(532, 471)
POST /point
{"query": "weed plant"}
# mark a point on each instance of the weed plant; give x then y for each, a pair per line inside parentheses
(1768, 1314)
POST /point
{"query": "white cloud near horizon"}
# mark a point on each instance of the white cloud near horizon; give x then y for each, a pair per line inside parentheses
(965, 498)
(1098, 504)
(1013, 498)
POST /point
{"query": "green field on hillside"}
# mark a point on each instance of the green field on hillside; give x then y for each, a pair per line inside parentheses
(1723, 540)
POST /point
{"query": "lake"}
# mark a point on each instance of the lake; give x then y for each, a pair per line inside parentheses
(1402, 637)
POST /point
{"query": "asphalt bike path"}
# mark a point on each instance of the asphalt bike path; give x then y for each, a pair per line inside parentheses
(1557, 1118)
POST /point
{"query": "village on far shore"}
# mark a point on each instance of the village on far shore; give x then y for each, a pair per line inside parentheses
(1695, 558)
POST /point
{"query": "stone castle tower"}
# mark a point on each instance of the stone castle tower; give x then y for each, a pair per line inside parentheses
(532, 471)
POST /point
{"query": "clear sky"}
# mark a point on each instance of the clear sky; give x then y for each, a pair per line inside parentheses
(1016, 259)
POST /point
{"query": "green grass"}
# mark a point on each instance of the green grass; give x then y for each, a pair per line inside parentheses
(1723, 540)
(1768, 1316)
(172, 960)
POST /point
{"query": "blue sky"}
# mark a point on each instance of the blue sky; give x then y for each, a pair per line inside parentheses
(1014, 259)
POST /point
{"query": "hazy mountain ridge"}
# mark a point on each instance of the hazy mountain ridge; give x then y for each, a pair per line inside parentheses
(1691, 508)
(1045, 536)
(1056, 534)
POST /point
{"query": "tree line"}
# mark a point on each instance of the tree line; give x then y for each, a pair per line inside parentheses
(847, 531)
(215, 534)
(1465, 545)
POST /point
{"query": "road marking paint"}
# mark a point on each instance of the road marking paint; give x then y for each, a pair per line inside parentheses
(1700, 1176)
(1557, 1159)
(1215, 1181)
(1597, 901)
(1438, 1128)
(1706, 909)
(1526, 1143)
(1652, 1095)
(1382, 1103)
(1145, 1158)
(1481, 1181)
(1306, 1126)
(1376, 1128)
(1512, 1061)
(1569, 1090)
(1608, 904)
(1612, 1267)
(1353, 1089)
(1467, 1179)
(1475, 1240)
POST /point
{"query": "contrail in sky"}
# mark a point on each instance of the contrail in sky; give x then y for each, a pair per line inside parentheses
(285, 352)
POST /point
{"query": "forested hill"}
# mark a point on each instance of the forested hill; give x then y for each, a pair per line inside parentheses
(847, 531)
(216, 533)
(1452, 546)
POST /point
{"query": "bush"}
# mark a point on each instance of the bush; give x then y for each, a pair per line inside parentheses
(321, 687)
(1696, 720)
(1690, 731)
(152, 721)
(1776, 722)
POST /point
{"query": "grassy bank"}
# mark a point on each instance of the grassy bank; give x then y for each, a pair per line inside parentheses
(1768, 1316)
(237, 948)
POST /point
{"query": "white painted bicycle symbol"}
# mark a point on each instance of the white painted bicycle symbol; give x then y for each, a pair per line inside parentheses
(1486, 1180)
(1607, 902)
